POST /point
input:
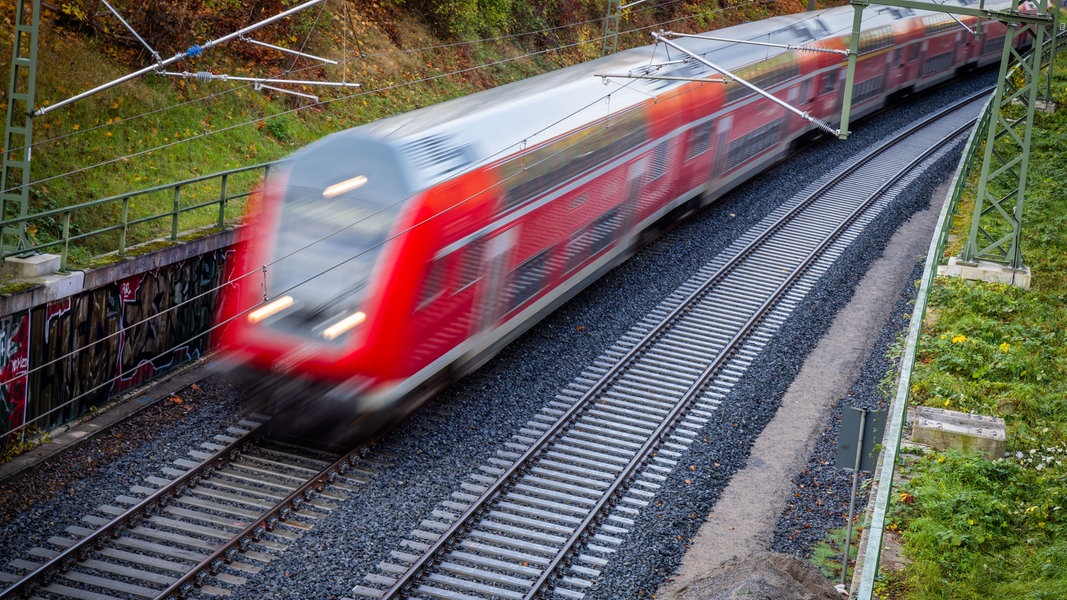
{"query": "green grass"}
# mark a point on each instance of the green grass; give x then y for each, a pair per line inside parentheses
(827, 554)
(976, 528)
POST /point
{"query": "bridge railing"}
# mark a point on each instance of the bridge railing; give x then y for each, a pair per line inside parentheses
(161, 214)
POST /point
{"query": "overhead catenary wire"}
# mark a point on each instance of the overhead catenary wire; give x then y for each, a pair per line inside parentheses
(215, 95)
(343, 62)
(257, 271)
(193, 51)
(254, 121)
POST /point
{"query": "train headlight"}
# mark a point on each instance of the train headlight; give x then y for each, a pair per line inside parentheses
(335, 330)
(344, 186)
(270, 309)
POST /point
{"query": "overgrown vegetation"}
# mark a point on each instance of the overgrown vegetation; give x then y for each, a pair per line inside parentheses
(976, 528)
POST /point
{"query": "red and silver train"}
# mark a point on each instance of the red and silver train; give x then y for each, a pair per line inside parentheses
(390, 259)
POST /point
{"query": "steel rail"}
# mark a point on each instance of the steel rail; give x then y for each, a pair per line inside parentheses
(197, 575)
(507, 477)
(674, 417)
(67, 558)
(267, 522)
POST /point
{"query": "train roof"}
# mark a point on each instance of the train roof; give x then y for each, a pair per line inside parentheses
(483, 127)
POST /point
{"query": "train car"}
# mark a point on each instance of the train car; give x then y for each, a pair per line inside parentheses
(385, 261)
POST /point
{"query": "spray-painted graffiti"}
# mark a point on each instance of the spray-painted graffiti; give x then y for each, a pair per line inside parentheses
(15, 358)
(106, 341)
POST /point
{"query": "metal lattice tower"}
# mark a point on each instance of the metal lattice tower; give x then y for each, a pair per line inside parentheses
(611, 27)
(18, 132)
(996, 223)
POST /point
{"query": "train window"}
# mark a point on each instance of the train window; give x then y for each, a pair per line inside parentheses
(765, 74)
(865, 90)
(328, 240)
(938, 63)
(537, 171)
(434, 285)
(699, 140)
(604, 229)
(829, 81)
(659, 162)
(752, 144)
(578, 248)
(876, 39)
(592, 238)
(527, 279)
(994, 44)
(937, 23)
(470, 264)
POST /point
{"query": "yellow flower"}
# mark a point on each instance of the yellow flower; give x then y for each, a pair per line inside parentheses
(959, 339)
(1005, 346)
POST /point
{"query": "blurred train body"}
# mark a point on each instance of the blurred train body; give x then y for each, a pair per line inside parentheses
(390, 259)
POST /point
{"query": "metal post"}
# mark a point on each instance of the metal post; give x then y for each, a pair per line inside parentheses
(66, 244)
(177, 212)
(222, 203)
(125, 225)
(611, 27)
(852, 498)
(850, 73)
(18, 131)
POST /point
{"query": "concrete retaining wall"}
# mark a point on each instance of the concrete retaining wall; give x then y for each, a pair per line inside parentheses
(77, 340)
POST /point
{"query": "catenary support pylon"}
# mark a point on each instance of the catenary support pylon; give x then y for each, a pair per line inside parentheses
(18, 130)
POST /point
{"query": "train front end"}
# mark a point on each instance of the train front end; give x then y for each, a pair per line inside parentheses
(301, 318)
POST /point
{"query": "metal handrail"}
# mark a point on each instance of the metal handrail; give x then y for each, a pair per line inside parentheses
(222, 198)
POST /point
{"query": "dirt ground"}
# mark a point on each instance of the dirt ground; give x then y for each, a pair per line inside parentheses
(729, 557)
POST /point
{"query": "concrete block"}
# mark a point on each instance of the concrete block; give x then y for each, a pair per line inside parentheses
(63, 285)
(37, 265)
(944, 429)
(987, 271)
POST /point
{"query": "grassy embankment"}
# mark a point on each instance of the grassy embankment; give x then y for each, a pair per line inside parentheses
(158, 129)
(974, 528)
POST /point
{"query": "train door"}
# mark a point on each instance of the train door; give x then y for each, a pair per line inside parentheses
(493, 298)
(829, 94)
(898, 69)
(635, 179)
(722, 146)
(796, 97)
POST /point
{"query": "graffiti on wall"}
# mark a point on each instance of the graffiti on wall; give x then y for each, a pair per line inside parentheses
(15, 358)
(107, 341)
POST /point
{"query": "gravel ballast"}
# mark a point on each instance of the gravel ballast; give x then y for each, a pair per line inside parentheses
(429, 456)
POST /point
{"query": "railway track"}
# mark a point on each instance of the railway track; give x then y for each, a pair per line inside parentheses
(545, 516)
(213, 522)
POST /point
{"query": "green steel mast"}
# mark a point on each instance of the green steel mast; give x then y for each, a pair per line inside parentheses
(18, 131)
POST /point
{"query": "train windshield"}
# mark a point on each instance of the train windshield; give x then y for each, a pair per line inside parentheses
(341, 199)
